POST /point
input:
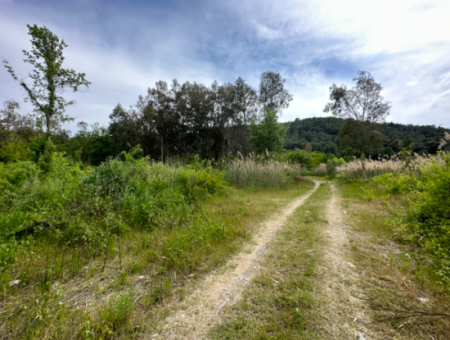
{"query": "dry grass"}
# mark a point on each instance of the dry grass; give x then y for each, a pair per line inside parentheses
(259, 173)
(320, 171)
(404, 299)
(377, 167)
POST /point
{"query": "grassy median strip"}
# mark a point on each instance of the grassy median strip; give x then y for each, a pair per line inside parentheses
(278, 303)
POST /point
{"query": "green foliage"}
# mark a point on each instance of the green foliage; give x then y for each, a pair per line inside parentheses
(92, 147)
(268, 135)
(116, 314)
(322, 134)
(48, 77)
(367, 193)
(396, 183)
(318, 158)
(425, 220)
(406, 154)
(13, 149)
(70, 205)
(331, 169)
(299, 156)
(42, 152)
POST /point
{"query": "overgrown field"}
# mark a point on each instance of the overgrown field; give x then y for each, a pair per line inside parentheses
(404, 282)
(418, 198)
(92, 252)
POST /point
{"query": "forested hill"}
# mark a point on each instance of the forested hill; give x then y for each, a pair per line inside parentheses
(322, 134)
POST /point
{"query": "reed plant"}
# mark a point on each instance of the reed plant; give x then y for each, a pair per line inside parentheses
(320, 170)
(262, 172)
(352, 170)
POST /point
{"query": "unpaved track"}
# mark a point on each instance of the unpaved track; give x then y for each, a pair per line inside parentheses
(343, 302)
(202, 309)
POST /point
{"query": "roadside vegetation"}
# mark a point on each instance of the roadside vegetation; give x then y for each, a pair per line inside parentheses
(404, 283)
(83, 249)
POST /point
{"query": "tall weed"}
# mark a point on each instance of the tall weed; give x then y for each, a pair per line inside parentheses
(263, 173)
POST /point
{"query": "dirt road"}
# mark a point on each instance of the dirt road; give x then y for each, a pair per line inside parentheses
(202, 309)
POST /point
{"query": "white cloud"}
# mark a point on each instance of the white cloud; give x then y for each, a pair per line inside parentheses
(403, 43)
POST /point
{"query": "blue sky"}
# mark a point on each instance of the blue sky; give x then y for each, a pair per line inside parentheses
(124, 47)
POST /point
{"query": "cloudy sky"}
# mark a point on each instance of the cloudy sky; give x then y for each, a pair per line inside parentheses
(124, 47)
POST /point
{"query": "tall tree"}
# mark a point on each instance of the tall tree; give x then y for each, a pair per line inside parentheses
(201, 105)
(162, 106)
(223, 116)
(49, 79)
(268, 135)
(272, 93)
(364, 105)
(124, 127)
(245, 102)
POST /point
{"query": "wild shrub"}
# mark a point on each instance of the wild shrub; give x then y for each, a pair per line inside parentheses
(426, 222)
(396, 183)
(331, 169)
(299, 156)
(67, 205)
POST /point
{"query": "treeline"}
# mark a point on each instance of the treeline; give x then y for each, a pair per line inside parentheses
(181, 120)
(322, 134)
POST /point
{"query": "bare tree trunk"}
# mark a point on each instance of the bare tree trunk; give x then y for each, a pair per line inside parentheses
(362, 166)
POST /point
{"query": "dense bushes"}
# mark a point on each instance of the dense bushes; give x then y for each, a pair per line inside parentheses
(425, 222)
(72, 204)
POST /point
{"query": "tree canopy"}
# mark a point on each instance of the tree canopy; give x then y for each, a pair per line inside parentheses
(363, 106)
(49, 78)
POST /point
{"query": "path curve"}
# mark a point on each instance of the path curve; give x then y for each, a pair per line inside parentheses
(202, 309)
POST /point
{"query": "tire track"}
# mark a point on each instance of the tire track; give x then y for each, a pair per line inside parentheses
(202, 309)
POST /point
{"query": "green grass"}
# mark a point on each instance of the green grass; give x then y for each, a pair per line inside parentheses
(395, 280)
(122, 252)
(279, 302)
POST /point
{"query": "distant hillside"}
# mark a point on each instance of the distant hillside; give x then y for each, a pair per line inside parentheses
(322, 134)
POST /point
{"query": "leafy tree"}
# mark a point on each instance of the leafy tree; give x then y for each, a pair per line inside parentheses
(162, 109)
(272, 93)
(360, 136)
(49, 79)
(245, 102)
(364, 106)
(268, 135)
